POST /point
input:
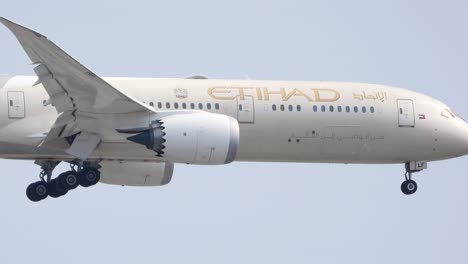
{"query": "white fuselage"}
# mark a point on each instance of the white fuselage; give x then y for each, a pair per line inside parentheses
(279, 120)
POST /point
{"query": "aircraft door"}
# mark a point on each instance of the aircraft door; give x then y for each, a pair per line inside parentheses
(245, 109)
(405, 113)
(16, 108)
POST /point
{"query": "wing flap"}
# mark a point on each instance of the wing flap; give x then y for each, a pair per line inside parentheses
(83, 145)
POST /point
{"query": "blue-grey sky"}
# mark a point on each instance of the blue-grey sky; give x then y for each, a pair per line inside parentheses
(250, 212)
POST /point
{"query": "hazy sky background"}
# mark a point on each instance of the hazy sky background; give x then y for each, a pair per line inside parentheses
(250, 212)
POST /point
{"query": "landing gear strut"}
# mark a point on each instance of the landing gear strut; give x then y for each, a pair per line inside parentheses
(85, 174)
(409, 186)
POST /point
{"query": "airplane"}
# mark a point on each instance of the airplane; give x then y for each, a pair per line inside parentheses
(131, 131)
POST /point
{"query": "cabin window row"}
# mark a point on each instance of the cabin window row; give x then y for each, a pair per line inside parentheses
(289, 107)
(200, 106)
(324, 108)
(347, 109)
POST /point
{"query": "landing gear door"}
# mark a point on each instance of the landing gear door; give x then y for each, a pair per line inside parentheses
(245, 109)
(405, 113)
(15, 105)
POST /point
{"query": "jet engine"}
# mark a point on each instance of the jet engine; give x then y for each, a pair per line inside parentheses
(192, 138)
(131, 173)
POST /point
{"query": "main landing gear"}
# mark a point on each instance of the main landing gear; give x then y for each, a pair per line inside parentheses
(85, 175)
(409, 186)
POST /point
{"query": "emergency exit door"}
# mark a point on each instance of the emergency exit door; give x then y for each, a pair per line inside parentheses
(245, 109)
(15, 105)
(405, 113)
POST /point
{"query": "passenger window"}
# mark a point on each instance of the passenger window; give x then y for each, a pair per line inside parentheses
(217, 106)
(364, 109)
(298, 108)
(273, 107)
(290, 107)
(184, 105)
(339, 108)
(356, 109)
(282, 107)
(168, 105)
(331, 108)
(159, 105)
(208, 106)
(200, 106)
(176, 105)
(151, 104)
(315, 108)
(372, 110)
(323, 108)
(192, 106)
(348, 109)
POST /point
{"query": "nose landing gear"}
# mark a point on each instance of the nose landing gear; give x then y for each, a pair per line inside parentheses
(85, 175)
(409, 186)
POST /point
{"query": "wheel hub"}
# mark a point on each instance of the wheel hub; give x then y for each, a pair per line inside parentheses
(71, 179)
(41, 190)
(91, 176)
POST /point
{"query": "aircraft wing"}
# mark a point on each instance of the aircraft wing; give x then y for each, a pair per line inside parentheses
(82, 97)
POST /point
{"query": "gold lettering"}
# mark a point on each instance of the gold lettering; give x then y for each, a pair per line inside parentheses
(229, 93)
(259, 93)
(241, 92)
(216, 93)
(296, 92)
(267, 93)
(321, 95)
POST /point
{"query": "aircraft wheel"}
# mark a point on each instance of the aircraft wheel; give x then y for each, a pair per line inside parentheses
(55, 190)
(68, 180)
(409, 187)
(89, 176)
(37, 191)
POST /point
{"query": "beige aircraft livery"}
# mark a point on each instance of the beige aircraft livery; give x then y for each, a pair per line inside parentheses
(131, 131)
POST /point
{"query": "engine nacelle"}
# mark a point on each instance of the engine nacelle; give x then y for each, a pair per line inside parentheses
(193, 138)
(131, 173)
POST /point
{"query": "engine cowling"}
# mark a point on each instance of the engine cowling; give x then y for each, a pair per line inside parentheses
(131, 173)
(193, 138)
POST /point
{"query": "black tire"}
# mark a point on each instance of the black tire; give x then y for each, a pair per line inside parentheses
(37, 191)
(68, 180)
(409, 187)
(55, 190)
(30, 193)
(89, 177)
